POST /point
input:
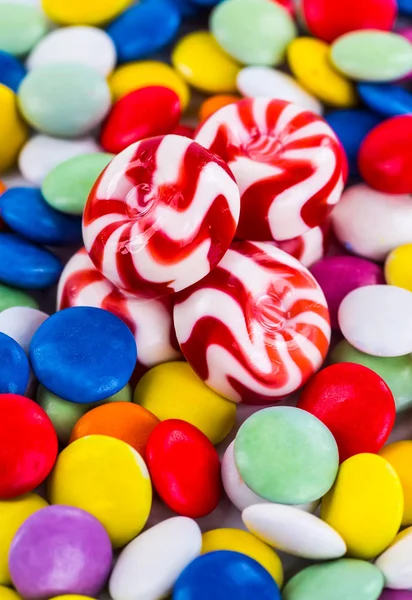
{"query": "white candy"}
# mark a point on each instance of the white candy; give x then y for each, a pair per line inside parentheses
(149, 566)
(377, 319)
(396, 564)
(265, 82)
(86, 45)
(294, 531)
(21, 323)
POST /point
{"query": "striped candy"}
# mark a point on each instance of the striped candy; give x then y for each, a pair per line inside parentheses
(286, 160)
(161, 215)
(309, 247)
(257, 327)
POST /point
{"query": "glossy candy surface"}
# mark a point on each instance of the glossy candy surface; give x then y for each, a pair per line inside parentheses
(13, 130)
(77, 12)
(386, 99)
(21, 323)
(397, 267)
(398, 454)
(394, 562)
(14, 375)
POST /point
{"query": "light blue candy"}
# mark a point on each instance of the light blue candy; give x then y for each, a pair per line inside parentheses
(12, 72)
(14, 367)
(386, 99)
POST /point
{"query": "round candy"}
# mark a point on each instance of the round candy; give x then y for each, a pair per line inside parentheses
(394, 563)
(65, 100)
(8, 594)
(15, 369)
(347, 393)
(365, 505)
(225, 575)
(184, 467)
(170, 545)
(399, 455)
(29, 445)
(83, 354)
(405, 6)
(10, 297)
(396, 595)
(303, 455)
(84, 45)
(286, 187)
(78, 12)
(161, 216)
(387, 100)
(146, 112)
(257, 327)
(309, 247)
(215, 103)
(13, 131)
(60, 550)
(385, 157)
(377, 319)
(107, 478)
(12, 71)
(397, 267)
(21, 27)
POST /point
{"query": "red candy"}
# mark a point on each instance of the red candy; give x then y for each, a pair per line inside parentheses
(28, 447)
(385, 157)
(184, 467)
(354, 403)
(143, 113)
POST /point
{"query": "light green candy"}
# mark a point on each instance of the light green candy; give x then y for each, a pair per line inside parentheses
(68, 185)
(64, 414)
(21, 27)
(372, 55)
(344, 579)
(10, 297)
(255, 32)
(65, 100)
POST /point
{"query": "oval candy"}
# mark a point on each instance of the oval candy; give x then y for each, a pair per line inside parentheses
(386, 99)
(77, 12)
(394, 563)
(12, 72)
(10, 297)
(397, 267)
(399, 455)
(13, 131)
(15, 369)
(21, 27)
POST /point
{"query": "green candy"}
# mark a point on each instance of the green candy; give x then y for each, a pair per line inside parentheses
(10, 297)
(68, 185)
(395, 371)
(255, 32)
(21, 27)
(344, 579)
(372, 55)
(286, 455)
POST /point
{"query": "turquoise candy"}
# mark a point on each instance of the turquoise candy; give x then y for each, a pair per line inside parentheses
(21, 27)
(372, 55)
(344, 579)
(286, 455)
(65, 100)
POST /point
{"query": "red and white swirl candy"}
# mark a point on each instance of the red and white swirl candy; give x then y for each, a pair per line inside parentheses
(150, 320)
(287, 161)
(257, 327)
(309, 247)
(161, 215)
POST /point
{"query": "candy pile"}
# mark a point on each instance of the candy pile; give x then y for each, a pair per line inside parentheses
(219, 195)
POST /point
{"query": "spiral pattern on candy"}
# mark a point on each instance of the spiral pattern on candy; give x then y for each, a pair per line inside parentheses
(257, 327)
(286, 160)
(161, 215)
(309, 247)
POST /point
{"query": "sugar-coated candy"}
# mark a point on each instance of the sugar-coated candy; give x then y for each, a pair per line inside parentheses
(41, 565)
(21, 323)
(78, 12)
(394, 562)
(12, 72)
(29, 445)
(13, 131)
(386, 99)
(21, 27)
(10, 297)
(257, 327)
(184, 467)
(389, 594)
(347, 393)
(215, 103)
(225, 575)
(397, 267)
(405, 7)
(149, 566)
(107, 478)
(286, 160)
(399, 455)
(7, 593)
(161, 215)
(15, 370)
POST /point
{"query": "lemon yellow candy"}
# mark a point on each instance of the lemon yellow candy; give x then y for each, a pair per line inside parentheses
(135, 75)
(204, 65)
(399, 455)
(365, 505)
(398, 267)
(174, 391)
(13, 513)
(13, 131)
(107, 478)
(237, 540)
(84, 12)
(8, 594)
(309, 62)
(71, 597)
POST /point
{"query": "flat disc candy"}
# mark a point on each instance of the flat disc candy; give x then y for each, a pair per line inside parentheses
(161, 216)
(257, 327)
(287, 162)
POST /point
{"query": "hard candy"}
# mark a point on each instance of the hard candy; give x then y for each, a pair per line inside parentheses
(21, 27)
(399, 455)
(394, 563)
(13, 130)
(15, 370)
(12, 72)
(309, 247)
(10, 297)
(78, 12)
(386, 99)
(397, 267)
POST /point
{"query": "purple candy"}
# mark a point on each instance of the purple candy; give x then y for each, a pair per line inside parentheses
(339, 275)
(60, 550)
(396, 595)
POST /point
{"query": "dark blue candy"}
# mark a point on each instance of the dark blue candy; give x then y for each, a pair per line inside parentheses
(26, 212)
(186, 7)
(386, 99)
(24, 265)
(144, 28)
(225, 575)
(351, 126)
(12, 71)
(14, 367)
(83, 354)
(207, 2)
(405, 6)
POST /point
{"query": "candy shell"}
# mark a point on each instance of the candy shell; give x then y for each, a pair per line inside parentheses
(405, 6)
(13, 130)
(388, 594)
(21, 27)
(397, 267)
(399, 455)
(10, 297)
(12, 71)
(78, 12)
(387, 100)
(8, 594)
(394, 562)
(15, 370)
(215, 103)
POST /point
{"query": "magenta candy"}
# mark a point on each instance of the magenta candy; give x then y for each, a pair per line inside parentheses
(396, 595)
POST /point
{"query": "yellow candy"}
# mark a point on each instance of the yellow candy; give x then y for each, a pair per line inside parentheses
(109, 479)
(365, 505)
(246, 543)
(174, 391)
(202, 63)
(13, 132)
(71, 597)
(309, 61)
(8, 594)
(84, 12)
(398, 267)
(13, 513)
(135, 75)
(399, 455)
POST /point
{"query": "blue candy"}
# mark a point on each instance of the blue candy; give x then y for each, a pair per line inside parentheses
(405, 6)
(14, 367)
(26, 212)
(83, 354)
(225, 575)
(351, 127)
(12, 71)
(24, 265)
(386, 99)
(186, 7)
(144, 28)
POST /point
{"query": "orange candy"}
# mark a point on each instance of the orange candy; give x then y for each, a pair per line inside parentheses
(214, 103)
